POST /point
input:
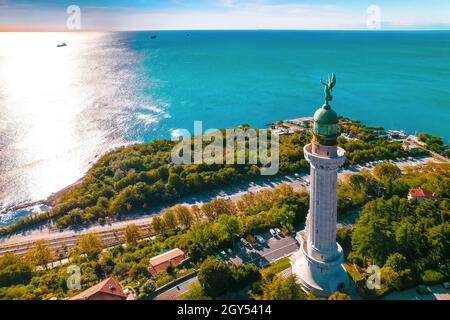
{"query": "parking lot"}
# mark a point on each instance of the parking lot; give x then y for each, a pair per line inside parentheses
(261, 254)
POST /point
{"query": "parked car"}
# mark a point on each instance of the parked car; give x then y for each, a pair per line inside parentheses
(278, 231)
(223, 253)
(230, 252)
(245, 242)
(260, 239)
(273, 232)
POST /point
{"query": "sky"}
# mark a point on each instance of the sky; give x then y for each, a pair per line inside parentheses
(52, 15)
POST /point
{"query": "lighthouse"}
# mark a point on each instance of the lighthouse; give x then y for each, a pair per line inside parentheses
(318, 262)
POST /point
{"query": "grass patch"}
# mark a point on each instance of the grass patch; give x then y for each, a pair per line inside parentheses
(277, 266)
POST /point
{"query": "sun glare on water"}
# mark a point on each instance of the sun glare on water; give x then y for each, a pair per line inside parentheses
(47, 97)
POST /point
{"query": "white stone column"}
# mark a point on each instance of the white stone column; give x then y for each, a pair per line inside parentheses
(318, 263)
(321, 233)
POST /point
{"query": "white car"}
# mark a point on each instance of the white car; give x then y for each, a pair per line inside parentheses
(278, 231)
(273, 232)
(230, 252)
(260, 239)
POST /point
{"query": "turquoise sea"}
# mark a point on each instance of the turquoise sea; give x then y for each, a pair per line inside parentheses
(62, 107)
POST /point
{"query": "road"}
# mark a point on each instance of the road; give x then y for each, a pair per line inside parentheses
(23, 241)
(175, 292)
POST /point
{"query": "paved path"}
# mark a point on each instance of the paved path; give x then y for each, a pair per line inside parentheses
(25, 240)
(176, 292)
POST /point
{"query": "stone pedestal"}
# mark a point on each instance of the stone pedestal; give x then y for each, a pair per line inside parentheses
(318, 262)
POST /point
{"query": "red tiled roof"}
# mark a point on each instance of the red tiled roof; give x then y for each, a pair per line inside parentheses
(420, 192)
(166, 256)
(108, 287)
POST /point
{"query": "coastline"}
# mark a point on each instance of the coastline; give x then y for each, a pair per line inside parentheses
(49, 201)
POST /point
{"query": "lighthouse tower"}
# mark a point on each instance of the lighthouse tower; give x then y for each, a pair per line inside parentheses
(318, 262)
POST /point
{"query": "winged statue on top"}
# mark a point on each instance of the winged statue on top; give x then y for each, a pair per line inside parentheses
(329, 85)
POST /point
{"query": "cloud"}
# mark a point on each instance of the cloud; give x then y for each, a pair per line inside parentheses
(222, 14)
(230, 14)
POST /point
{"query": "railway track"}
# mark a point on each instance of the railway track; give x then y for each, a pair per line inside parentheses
(62, 245)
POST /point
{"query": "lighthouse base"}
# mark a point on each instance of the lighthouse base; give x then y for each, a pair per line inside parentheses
(323, 278)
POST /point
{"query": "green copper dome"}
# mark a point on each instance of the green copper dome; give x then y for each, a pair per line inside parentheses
(326, 115)
(326, 128)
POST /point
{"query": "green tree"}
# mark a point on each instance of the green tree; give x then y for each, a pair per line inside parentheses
(216, 207)
(158, 225)
(176, 182)
(390, 278)
(138, 271)
(214, 277)
(132, 234)
(397, 262)
(339, 296)
(170, 219)
(387, 171)
(184, 216)
(148, 287)
(90, 244)
(195, 293)
(41, 255)
(14, 270)
(283, 289)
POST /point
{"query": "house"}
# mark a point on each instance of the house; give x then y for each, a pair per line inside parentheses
(421, 194)
(163, 261)
(108, 289)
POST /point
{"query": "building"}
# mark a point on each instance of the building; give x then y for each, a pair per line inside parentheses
(410, 147)
(421, 194)
(163, 261)
(108, 289)
(318, 262)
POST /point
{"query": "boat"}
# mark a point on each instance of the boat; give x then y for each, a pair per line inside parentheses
(153, 37)
(61, 45)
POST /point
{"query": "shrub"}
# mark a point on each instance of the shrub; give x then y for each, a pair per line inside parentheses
(148, 287)
(432, 277)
